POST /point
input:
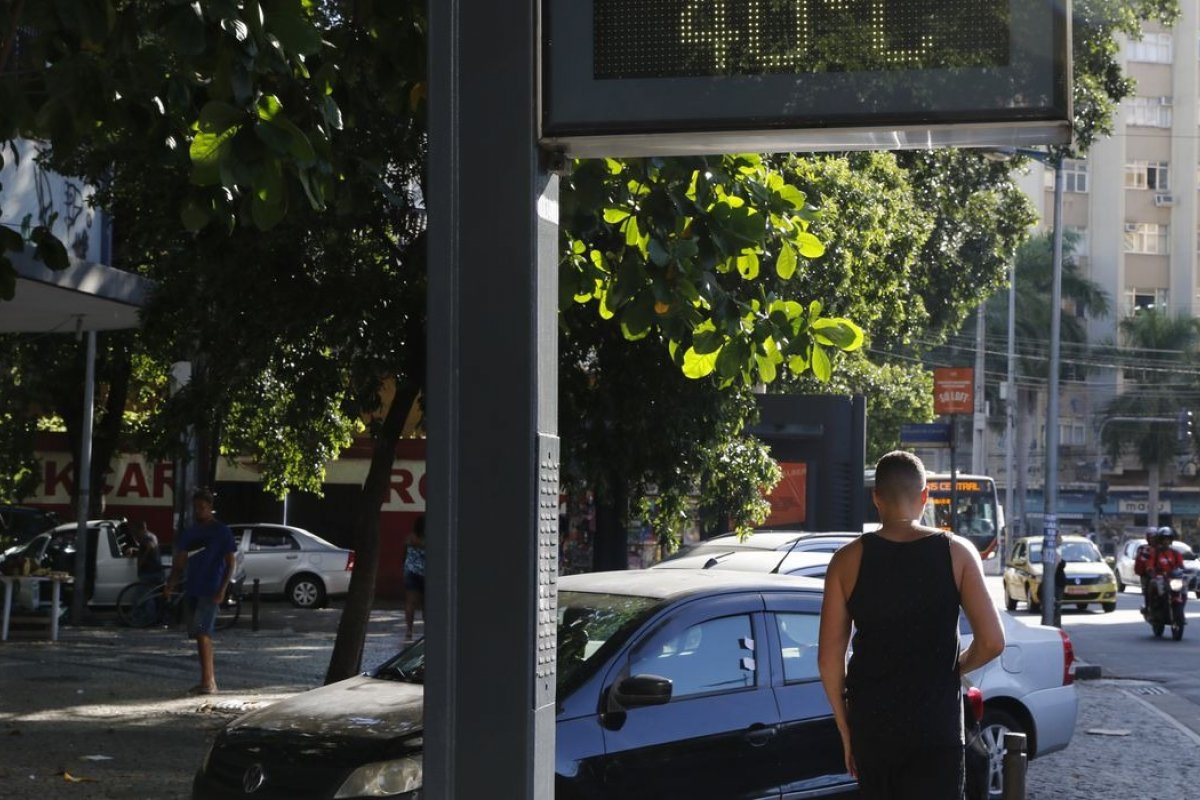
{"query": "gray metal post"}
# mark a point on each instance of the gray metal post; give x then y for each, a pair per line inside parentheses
(979, 417)
(492, 512)
(1010, 412)
(84, 494)
(1015, 762)
(1050, 610)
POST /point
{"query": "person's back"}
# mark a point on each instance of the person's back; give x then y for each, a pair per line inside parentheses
(903, 672)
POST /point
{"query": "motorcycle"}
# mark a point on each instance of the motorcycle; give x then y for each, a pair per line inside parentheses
(1164, 606)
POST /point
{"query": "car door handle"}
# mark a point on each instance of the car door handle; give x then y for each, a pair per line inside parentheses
(758, 734)
(292, 558)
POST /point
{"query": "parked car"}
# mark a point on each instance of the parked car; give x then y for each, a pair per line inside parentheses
(693, 661)
(109, 571)
(19, 524)
(1029, 689)
(794, 541)
(294, 562)
(799, 562)
(1123, 566)
(1088, 578)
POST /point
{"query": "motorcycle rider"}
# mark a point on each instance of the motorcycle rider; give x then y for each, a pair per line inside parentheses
(1141, 561)
(1162, 560)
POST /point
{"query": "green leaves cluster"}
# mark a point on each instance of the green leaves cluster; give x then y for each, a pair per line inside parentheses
(680, 248)
(238, 91)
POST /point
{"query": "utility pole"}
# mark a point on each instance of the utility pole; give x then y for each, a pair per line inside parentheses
(979, 431)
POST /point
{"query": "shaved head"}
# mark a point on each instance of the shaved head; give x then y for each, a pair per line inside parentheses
(899, 477)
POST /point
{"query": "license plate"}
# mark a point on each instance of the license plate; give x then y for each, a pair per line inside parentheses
(1078, 590)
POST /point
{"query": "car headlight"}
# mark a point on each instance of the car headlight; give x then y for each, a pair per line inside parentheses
(1176, 584)
(384, 778)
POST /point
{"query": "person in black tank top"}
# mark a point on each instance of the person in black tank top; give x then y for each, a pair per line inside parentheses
(898, 702)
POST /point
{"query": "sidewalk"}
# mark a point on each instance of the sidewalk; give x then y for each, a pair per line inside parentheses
(1124, 746)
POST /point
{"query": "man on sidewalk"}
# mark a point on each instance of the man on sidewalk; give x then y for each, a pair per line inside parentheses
(207, 551)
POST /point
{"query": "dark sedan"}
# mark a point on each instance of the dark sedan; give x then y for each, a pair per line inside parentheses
(714, 674)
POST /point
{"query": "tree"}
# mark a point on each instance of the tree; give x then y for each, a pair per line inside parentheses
(1158, 353)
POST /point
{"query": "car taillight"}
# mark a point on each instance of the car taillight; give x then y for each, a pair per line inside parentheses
(975, 700)
(350, 561)
(1068, 658)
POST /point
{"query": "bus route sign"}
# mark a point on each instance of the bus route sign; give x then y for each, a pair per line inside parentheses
(644, 77)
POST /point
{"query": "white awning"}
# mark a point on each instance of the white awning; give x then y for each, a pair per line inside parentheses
(84, 296)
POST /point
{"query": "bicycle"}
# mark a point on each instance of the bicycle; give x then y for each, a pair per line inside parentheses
(142, 605)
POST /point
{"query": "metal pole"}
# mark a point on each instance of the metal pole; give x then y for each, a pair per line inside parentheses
(1010, 409)
(1050, 482)
(1015, 762)
(979, 419)
(79, 593)
(954, 473)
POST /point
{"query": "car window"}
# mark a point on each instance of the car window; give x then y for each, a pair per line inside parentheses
(798, 644)
(591, 625)
(267, 539)
(714, 656)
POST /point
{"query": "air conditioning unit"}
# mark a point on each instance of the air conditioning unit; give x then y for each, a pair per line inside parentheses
(1161, 200)
(1131, 227)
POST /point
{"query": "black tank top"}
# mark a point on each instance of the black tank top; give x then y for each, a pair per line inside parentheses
(902, 680)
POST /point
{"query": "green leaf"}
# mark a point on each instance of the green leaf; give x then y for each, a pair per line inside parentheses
(297, 34)
(810, 246)
(698, 366)
(821, 366)
(839, 332)
(766, 368)
(49, 250)
(10, 239)
(268, 204)
(785, 265)
(793, 196)
(658, 254)
(798, 365)
(615, 215)
(194, 215)
(268, 107)
(747, 266)
(632, 234)
(185, 29)
(217, 117)
(614, 167)
(205, 152)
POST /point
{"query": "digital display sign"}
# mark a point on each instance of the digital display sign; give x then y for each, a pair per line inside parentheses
(696, 38)
(650, 77)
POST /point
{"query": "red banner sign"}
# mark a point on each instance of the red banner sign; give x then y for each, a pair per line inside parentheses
(954, 390)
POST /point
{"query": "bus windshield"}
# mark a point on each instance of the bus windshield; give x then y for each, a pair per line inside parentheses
(978, 510)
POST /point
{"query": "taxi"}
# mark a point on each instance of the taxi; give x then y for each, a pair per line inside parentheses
(1088, 579)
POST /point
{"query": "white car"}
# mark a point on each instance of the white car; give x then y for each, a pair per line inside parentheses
(294, 562)
(1029, 689)
(1123, 568)
(779, 541)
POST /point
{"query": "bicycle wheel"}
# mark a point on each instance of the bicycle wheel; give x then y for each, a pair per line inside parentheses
(228, 613)
(138, 605)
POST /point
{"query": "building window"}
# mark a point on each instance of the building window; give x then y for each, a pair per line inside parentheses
(1148, 175)
(1148, 112)
(1147, 238)
(1145, 300)
(1075, 176)
(1153, 48)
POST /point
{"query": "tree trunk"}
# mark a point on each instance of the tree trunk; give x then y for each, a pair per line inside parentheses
(346, 660)
(109, 425)
(1153, 477)
(609, 549)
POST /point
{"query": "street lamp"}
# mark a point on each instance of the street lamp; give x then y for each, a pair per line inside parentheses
(1050, 610)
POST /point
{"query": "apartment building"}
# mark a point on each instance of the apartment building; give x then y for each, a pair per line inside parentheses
(1133, 204)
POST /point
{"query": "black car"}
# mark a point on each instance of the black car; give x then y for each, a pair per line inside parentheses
(713, 674)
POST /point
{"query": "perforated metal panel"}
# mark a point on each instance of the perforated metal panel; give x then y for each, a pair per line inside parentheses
(547, 570)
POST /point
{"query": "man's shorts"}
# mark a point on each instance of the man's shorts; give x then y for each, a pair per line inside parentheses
(414, 582)
(202, 616)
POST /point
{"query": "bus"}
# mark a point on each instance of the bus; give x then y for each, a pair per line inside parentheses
(980, 515)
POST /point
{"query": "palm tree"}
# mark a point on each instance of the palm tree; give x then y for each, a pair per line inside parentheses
(1083, 299)
(1158, 354)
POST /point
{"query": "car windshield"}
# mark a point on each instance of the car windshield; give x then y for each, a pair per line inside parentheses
(590, 625)
(1085, 552)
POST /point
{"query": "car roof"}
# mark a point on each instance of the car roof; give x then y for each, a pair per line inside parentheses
(1069, 537)
(670, 584)
(761, 561)
(771, 539)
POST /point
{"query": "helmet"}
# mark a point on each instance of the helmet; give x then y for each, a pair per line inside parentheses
(1165, 534)
(1151, 534)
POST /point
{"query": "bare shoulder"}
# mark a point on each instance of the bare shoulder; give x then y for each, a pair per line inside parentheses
(963, 551)
(843, 567)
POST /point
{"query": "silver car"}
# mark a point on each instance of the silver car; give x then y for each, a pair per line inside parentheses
(294, 562)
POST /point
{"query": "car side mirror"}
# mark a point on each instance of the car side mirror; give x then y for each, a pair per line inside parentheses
(640, 690)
